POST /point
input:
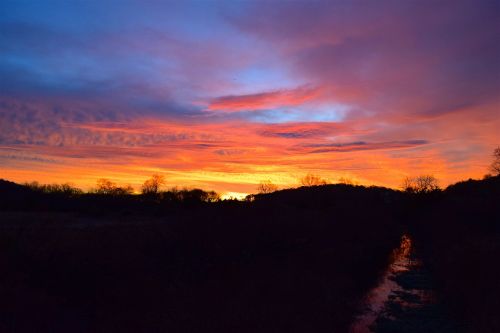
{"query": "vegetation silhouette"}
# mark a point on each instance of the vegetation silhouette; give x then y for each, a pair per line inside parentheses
(180, 260)
(64, 189)
(266, 186)
(421, 184)
(152, 185)
(107, 187)
(458, 233)
(312, 180)
(347, 181)
(495, 165)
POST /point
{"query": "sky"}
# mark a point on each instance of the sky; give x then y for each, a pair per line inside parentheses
(222, 95)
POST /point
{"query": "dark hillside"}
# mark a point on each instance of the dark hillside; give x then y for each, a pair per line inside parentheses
(459, 233)
(293, 261)
(14, 196)
(296, 260)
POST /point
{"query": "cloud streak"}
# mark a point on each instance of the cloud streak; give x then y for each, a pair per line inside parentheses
(362, 145)
(265, 100)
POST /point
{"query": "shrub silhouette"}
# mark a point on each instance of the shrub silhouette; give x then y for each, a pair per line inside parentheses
(312, 180)
(420, 184)
(65, 189)
(107, 187)
(152, 185)
(189, 196)
(495, 165)
(266, 186)
(346, 181)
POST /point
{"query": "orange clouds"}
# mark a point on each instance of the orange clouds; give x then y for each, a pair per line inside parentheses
(373, 92)
(265, 100)
(234, 156)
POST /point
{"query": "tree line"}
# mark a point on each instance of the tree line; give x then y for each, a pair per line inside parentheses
(420, 184)
(151, 188)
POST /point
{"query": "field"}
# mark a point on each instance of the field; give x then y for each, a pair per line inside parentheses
(296, 260)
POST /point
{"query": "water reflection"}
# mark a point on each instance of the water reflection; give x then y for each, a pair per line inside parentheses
(404, 300)
(377, 297)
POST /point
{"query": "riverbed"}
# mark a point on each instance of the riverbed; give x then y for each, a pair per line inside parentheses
(404, 301)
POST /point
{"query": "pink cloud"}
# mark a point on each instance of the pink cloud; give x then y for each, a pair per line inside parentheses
(265, 100)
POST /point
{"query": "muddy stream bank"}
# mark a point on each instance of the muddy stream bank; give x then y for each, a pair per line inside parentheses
(404, 301)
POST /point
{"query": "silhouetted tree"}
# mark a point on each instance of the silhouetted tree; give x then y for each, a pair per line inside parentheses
(266, 186)
(66, 188)
(420, 184)
(345, 181)
(427, 183)
(124, 190)
(211, 196)
(107, 187)
(250, 198)
(153, 184)
(312, 180)
(408, 184)
(69, 189)
(197, 195)
(495, 165)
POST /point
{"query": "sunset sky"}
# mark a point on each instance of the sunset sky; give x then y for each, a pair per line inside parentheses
(221, 95)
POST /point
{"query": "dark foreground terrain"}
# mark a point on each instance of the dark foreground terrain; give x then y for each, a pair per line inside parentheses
(458, 235)
(292, 261)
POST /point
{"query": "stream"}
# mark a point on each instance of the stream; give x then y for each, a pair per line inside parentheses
(404, 301)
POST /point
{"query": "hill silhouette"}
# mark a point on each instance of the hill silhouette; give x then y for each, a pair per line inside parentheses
(459, 235)
(296, 260)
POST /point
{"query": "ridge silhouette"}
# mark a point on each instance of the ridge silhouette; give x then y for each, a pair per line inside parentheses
(296, 260)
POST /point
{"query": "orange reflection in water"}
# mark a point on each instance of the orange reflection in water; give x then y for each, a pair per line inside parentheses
(375, 300)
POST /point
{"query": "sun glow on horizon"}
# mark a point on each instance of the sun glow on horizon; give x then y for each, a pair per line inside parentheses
(234, 196)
